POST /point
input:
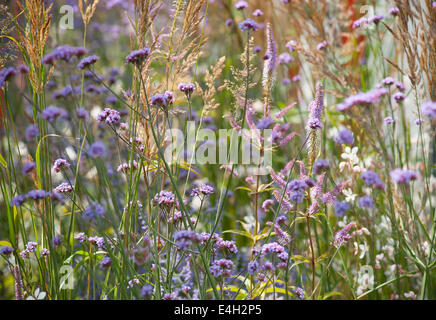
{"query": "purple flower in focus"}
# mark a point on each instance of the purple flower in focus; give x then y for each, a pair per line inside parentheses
(138, 56)
(186, 88)
(36, 195)
(87, 62)
(60, 164)
(44, 252)
(222, 267)
(64, 188)
(110, 116)
(399, 96)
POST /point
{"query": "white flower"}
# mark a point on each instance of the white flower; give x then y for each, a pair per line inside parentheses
(37, 295)
(350, 155)
(349, 195)
(332, 132)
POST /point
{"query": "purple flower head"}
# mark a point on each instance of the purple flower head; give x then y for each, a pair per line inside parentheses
(248, 24)
(394, 11)
(65, 53)
(23, 69)
(64, 188)
(418, 122)
(44, 252)
(343, 235)
(186, 88)
(366, 202)
(399, 96)
(28, 167)
(316, 108)
(97, 149)
(31, 246)
(264, 123)
(371, 178)
(125, 167)
(222, 267)
(60, 164)
(106, 262)
(344, 136)
(388, 120)
(253, 266)
(321, 45)
(36, 195)
(146, 291)
(94, 210)
(403, 176)
(32, 132)
(110, 116)
(229, 23)
(388, 81)
(258, 13)
(6, 250)
(341, 208)
(51, 113)
(291, 45)
(267, 204)
(82, 114)
(18, 200)
(286, 81)
(57, 240)
(81, 237)
(138, 56)
(185, 238)
(204, 190)
(257, 49)
(6, 74)
(429, 109)
(320, 166)
(285, 58)
(87, 62)
(98, 241)
(240, 5)
(376, 19)
(165, 199)
(296, 78)
(364, 98)
(300, 293)
(275, 249)
(297, 185)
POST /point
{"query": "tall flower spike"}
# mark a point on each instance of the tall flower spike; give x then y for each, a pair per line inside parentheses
(314, 123)
(269, 67)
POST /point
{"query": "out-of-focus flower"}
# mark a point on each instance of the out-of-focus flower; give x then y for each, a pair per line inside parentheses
(366, 202)
(429, 109)
(87, 62)
(403, 176)
(248, 24)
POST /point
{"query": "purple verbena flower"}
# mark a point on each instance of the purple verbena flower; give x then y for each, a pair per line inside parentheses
(87, 62)
(344, 136)
(403, 176)
(60, 165)
(97, 149)
(429, 109)
(366, 202)
(64, 188)
(248, 24)
(138, 56)
(341, 208)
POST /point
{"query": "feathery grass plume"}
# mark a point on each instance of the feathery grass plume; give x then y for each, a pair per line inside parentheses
(208, 95)
(34, 39)
(269, 68)
(87, 10)
(314, 124)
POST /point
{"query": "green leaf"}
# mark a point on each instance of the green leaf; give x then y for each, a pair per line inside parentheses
(3, 162)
